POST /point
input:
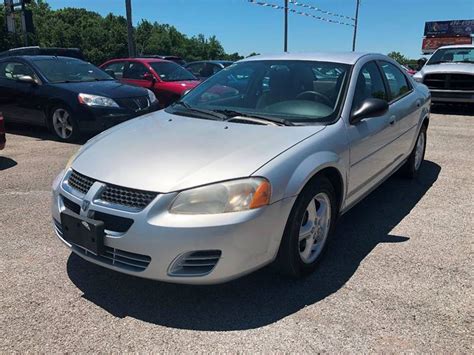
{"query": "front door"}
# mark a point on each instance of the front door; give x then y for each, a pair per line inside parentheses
(371, 152)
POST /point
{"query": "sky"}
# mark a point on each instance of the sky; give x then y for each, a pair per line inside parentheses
(240, 26)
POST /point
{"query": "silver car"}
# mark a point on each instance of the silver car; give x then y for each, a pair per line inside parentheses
(252, 166)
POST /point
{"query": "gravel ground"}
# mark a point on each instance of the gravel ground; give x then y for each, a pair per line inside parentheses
(397, 277)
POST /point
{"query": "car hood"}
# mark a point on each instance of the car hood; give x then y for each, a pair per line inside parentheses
(162, 152)
(459, 68)
(110, 88)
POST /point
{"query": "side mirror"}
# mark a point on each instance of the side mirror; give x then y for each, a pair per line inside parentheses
(111, 73)
(149, 77)
(369, 108)
(27, 79)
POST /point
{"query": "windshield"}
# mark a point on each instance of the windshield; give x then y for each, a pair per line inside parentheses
(297, 91)
(452, 55)
(61, 70)
(169, 71)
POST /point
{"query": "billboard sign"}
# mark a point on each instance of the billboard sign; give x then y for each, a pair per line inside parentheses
(430, 44)
(449, 28)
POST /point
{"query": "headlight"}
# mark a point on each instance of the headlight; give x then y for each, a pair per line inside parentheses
(151, 96)
(96, 101)
(418, 78)
(229, 196)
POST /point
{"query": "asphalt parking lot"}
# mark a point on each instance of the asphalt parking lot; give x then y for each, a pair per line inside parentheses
(398, 275)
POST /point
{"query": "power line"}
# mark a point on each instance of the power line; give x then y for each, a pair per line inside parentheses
(320, 10)
(278, 7)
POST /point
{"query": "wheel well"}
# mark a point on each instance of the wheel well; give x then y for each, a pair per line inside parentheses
(335, 178)
(426, 121)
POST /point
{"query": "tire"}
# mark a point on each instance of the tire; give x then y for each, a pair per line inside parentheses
(64, 131)
(294, 258)
(415, 160)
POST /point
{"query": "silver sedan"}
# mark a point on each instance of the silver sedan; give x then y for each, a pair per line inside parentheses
(251, 167)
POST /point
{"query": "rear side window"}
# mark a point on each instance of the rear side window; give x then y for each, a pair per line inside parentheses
(397, 81)
(369, 85)
(117, 68)
(195, 68)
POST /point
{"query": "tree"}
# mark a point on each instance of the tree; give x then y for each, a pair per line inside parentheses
(400, 58)
(101, 38)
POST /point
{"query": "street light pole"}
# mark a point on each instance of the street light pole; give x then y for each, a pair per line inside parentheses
(131, 42)
(355, 25)
(285, 46)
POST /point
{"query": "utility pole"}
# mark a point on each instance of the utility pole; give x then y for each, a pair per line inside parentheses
(131, 41)
(285, 45)
(355, 25)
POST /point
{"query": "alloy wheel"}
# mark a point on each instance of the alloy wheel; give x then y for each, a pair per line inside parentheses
(314, 228)
(62, 123)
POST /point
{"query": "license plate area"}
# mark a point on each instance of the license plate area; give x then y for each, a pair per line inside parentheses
(82, 231)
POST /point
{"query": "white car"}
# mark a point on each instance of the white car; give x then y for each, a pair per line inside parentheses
(449, 74)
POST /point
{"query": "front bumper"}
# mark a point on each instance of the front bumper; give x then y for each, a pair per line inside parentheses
(95, 119)
(246, 240)
(454, 96)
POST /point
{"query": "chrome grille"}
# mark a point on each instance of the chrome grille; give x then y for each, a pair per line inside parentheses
(123, 196)
(127, 197)
(80, 182)
(196, 263)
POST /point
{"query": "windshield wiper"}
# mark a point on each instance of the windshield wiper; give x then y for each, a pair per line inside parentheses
(219, 116)
(233, 113)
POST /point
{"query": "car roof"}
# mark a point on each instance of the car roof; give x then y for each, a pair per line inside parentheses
(458, 46)
(211, 61)
(338, 57)
(37, 57)
(140, 59)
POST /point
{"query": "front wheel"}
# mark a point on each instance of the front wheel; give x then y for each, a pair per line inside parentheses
(415, 160)
(63, 124)
(308, 229)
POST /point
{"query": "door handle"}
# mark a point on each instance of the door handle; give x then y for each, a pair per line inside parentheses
(418, 104)
(392, 120)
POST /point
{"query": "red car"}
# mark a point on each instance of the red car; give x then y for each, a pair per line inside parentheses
(166, 79)
(2, 132)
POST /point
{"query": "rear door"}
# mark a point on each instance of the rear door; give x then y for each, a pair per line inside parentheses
(19, 101)
(136, 73)
(405, 107)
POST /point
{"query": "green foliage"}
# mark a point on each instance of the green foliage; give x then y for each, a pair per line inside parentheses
(400, 58)
(101, 38)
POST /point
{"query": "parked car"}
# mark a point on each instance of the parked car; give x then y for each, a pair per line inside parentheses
(166, 79)
(67, 95)
(3, 139)
(171, 58)
(449, 74)
(409, 70)
(213, 188)
(35, 50)
(206, 68)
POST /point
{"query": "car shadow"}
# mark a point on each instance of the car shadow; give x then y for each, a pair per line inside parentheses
(38, 132)
(7, 163)
(453, 109)
(263, 297)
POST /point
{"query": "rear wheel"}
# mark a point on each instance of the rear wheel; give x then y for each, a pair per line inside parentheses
(415, 160)
(63, 124)
(308, 229)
